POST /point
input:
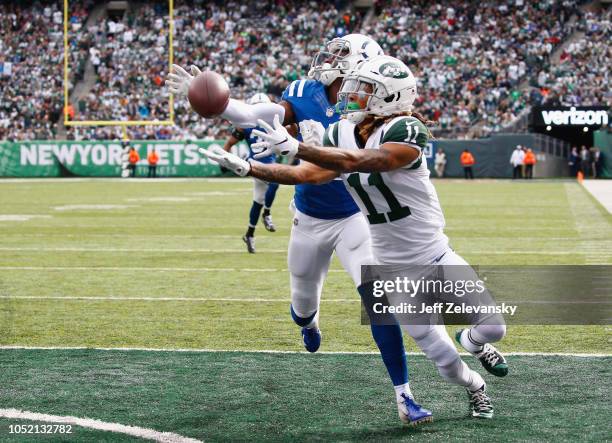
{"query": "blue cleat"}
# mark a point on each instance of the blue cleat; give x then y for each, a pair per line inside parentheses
(312, 339)
(412, 413)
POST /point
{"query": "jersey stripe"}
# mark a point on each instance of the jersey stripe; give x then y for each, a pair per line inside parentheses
(292, 88)
(301, 88)
(332, 133)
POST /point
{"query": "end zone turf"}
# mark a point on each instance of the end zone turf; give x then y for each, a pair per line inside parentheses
(223, 396)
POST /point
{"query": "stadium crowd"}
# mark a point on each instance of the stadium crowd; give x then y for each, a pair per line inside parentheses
(473, 59)
(582, 76)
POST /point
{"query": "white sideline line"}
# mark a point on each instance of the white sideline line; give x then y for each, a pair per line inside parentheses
(128, 268)
(273, 351)
(195, 299)
(157, 250)
(262, 300)
(233, 180)
(135, 431)
(603, 253)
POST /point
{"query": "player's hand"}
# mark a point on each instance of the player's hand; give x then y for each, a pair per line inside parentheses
(227, 160)
(312, 132)
(276, 140)
(179, 80)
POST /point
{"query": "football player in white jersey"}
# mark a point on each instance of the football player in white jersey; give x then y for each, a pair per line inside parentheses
(327, 219)
(378, 153)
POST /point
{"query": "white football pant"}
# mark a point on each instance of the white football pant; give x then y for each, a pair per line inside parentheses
(312, 243)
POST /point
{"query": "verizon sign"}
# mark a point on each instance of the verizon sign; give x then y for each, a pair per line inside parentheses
(570, 116)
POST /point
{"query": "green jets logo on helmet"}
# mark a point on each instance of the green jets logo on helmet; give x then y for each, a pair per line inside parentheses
(393, 70)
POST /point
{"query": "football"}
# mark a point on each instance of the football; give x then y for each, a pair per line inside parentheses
(208, 94)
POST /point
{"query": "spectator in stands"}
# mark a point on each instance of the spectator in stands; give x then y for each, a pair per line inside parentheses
(516, 160)
(440, 162)
(133, 159)
(152, 158)
(530, 161)
(467, 161)
(574, 161)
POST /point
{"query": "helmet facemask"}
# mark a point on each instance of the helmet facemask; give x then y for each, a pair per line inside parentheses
(356, 96)
(332, 62)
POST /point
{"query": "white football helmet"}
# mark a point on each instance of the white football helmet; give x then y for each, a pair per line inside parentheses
(341, 55)
(260, 97)
(387, 83)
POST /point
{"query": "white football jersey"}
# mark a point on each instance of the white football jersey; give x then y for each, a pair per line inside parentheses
(401, 206)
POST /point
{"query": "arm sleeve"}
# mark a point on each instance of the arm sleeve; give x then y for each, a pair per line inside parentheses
(243, 115)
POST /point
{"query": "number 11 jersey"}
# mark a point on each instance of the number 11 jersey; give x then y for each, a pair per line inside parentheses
(401, 206)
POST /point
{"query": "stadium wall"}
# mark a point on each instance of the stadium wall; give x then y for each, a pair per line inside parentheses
(44, 158)
(492, 155)
(603, 140)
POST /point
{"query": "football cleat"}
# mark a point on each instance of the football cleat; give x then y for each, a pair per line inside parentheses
(267, 222)
(490, 358)
(250, 242)
(480, 403)
(412, 413)
(312, 339)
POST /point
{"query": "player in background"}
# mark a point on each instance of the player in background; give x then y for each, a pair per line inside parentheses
(327, 220)
(377, 151)
(263, 192)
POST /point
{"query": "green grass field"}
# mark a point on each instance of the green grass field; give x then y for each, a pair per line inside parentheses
(160, 264)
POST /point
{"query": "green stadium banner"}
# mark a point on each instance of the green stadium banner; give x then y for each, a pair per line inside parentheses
(603, 140)
(42, 158)
(182, 159)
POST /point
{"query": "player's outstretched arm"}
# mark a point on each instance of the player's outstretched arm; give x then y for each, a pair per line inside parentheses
(389, 156)
(292, 175)
(283, 174)
(239, 113)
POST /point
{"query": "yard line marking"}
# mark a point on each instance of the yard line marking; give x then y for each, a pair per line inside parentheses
(274, 351)
(264, 300)
(132, 268)
(135, 431)
(195, 299)
(233, 180)
(599, 253)
(156, 250)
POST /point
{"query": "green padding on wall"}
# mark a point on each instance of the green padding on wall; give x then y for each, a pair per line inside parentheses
(603, 140)
(41, 158)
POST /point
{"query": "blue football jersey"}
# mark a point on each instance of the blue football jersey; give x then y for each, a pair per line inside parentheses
(250, 139)
(308, 98)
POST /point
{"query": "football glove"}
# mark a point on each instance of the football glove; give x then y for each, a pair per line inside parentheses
(227, 160)
(276, 140)
(312, 132)
(178, 81)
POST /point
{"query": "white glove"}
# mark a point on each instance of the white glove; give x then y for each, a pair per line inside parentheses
(312, 132)
(228, 160)
(275, 140)
(178, 81)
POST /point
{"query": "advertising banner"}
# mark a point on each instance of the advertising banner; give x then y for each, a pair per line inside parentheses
(43, 158)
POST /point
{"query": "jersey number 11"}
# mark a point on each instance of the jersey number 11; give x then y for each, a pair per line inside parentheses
(397, 211)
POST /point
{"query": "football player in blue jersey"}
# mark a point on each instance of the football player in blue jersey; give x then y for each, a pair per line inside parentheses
(263, 192)
(327, 219)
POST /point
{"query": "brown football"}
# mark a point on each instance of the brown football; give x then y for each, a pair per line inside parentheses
(208, 94)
